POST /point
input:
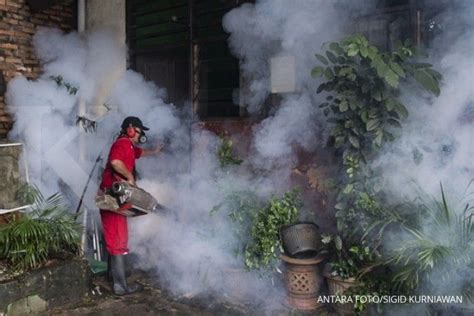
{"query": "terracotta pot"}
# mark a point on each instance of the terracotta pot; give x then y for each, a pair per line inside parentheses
(303, 280)
(337, 286)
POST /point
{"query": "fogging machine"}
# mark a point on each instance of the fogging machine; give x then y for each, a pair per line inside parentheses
(128, 200)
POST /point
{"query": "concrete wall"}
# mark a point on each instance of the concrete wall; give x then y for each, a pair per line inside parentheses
(36, 291)
(106, 13)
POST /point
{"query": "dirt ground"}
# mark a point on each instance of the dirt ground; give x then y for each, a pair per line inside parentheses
(154, 301)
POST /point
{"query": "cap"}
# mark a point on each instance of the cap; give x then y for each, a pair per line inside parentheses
(135, 122)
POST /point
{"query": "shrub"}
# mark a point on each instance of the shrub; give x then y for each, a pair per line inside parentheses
(46, 231)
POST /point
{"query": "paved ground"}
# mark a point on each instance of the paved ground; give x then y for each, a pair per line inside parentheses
(153, 301)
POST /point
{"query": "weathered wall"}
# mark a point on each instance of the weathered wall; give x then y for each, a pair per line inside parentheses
(18, 23)
(11, 177)
(106, 13)
(36, 291)
(311, 173)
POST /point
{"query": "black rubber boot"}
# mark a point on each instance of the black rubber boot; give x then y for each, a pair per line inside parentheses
(128, 270)
(120, 285)
(109, 269)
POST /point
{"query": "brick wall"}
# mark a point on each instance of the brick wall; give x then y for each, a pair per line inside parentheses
(18, 24)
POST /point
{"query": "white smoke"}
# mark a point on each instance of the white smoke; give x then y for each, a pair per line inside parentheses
(188, 249)
(279, 28)
(436, 143)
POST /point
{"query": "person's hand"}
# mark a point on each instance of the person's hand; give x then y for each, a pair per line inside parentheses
(153, 152)
(131, 181)
(158, 149)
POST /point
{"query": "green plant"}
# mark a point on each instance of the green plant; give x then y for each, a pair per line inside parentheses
(258, 224)
(348, 262)
(357, 263)
(363, 87)
(369, 285)
(241, 207)
(225, 153)
(363, 104)
(72, 90)
(261, 251)
(438, 248)
(46, 231)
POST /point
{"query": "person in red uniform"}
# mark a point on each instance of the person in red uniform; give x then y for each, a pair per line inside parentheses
(121, 167)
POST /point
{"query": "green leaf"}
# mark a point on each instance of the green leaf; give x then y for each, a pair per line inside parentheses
(372, 124)
(390, 104)
(364, 116)
(343, 106)
(339, 141)
(339, 206)
(382, 68)
(352, 51)
(317, 71)
(394, 122)
(378, 139)
(322, 59)
(345, 71)
(321, 88)
(398, 69)
(434, 74)
(377, 95)
(391, 78)
(329, 74)
(421, 65)
(354, 141)
(372, 52)
(348, 188)
(401, 110)
(331, 57)
(336, 48)
(364, 52)
(427, 81)
(338, 242)
(342, 60)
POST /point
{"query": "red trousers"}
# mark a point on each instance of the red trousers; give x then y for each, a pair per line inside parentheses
(115, 231)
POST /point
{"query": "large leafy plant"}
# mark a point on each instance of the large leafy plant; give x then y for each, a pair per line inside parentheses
(363, 85)
(347, 262)
(356, 262)
(439, 247)
(240, 207)
(258, 224)
(264, 245)
(46, 231)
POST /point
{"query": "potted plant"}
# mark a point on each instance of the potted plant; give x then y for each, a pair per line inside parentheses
(261, 250)
(258, 223)
(346, 270)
